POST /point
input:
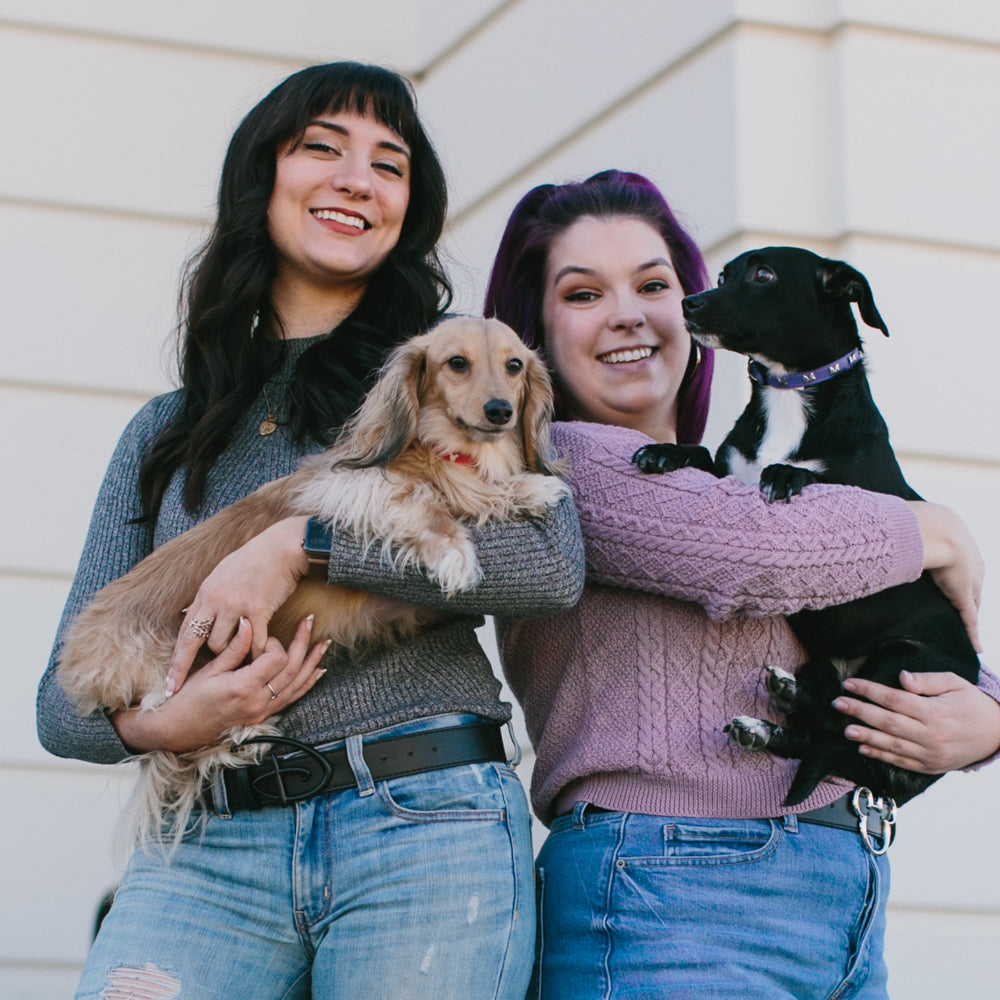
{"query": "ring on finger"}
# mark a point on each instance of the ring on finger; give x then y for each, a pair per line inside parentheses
(202, 627)
(274, 694)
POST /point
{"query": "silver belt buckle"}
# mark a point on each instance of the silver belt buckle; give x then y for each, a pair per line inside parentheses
(864, 804)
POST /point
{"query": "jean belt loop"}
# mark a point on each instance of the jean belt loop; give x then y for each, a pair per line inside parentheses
(220, 798)
(516, 759)
(578, 810)
(356, 758)
(790, 823)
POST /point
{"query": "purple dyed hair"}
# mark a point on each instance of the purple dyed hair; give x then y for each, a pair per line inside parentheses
(517, 283)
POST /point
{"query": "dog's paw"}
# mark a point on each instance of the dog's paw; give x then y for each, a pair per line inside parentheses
(456, 570)
(655, 458)
(782, 482)
(153, 700)
(537, 495)
(781, 688)
(751, 733)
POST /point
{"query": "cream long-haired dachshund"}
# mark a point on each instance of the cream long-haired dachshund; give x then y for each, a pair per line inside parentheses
(454, 433)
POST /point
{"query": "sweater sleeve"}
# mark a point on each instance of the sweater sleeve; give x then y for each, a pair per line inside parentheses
(720, 544)
(532, 568)
(113, 546)
(989, 684)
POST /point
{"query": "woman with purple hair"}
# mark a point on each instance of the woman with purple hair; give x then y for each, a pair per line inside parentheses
(672, 867)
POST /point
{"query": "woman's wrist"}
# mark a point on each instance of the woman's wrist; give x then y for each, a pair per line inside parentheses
(938, 551)
(945, 537)
(293, 533)
(953, 560)
(282, 544)
(137, 729)
(991, 734)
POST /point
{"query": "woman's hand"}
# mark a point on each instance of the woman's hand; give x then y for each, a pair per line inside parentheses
(225, 693)
(252, 582)
(953, 560)
(938, 723)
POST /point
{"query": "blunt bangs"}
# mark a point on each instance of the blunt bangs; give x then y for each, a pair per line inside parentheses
(358, 89)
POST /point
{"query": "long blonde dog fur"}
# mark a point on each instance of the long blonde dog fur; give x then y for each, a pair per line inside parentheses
(390, 480)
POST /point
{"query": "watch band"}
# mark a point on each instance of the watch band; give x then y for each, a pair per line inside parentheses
(317, 543)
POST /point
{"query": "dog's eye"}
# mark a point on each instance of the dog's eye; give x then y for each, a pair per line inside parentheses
(722, 278)
(458, 364)
(762, 275)
(514, 366)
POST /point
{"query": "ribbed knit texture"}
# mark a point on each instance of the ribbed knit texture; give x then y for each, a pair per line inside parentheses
(531, 568)
(627, 693)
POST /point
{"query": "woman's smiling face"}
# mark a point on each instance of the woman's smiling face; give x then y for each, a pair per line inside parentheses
(339, 199)
(614, 331)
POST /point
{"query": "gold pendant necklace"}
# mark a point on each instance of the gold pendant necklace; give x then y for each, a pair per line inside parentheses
(270, 423)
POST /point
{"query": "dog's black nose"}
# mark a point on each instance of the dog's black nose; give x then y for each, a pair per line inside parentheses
(691, 303)
(498, 411)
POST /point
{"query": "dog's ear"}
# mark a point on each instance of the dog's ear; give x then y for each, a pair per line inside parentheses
(536, 415)
(843, 281)
(386, 423)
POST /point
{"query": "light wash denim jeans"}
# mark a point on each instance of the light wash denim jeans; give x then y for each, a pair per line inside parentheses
(418, 887)
(646, 906)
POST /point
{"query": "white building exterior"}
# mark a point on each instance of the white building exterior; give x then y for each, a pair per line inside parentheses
(864, 129)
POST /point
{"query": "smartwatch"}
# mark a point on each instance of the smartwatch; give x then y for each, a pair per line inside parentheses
(317, 543)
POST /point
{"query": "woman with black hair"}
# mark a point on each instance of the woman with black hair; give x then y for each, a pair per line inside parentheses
(387, 879)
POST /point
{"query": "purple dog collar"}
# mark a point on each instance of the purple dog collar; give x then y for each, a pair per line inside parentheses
(800, 380)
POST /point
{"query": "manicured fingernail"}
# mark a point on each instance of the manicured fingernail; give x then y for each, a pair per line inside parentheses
(328, 643)
(309, 622)
(906, 674)
(171, 686)
(840, 704)
(849, 685)
(852, 733)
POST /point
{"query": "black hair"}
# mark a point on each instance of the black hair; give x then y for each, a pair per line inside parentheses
(226, 289)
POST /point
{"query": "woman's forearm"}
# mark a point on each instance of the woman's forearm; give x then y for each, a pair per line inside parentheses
(953, 559)
(531, 568)
(720, 544)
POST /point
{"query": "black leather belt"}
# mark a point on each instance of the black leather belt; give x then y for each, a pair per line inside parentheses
(861, 812)
(290, 778)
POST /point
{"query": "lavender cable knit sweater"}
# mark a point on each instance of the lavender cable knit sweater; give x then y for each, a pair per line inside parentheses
(531, 567)
(625, 694)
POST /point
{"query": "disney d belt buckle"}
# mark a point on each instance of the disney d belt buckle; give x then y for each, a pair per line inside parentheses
(313, 778)
(868, 807)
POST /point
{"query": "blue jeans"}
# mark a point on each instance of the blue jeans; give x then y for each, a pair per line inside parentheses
(647, 906)
(417, 887)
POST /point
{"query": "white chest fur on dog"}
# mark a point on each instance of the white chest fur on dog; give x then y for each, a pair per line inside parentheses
(787, 414)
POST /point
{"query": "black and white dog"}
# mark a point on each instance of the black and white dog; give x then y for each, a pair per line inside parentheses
(812, 419)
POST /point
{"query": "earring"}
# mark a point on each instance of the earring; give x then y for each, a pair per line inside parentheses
(695, 358)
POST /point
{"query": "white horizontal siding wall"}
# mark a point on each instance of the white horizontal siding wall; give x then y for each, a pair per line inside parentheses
(865, 129)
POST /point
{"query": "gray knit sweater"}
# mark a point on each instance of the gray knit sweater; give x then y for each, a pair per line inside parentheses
(532, 568)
